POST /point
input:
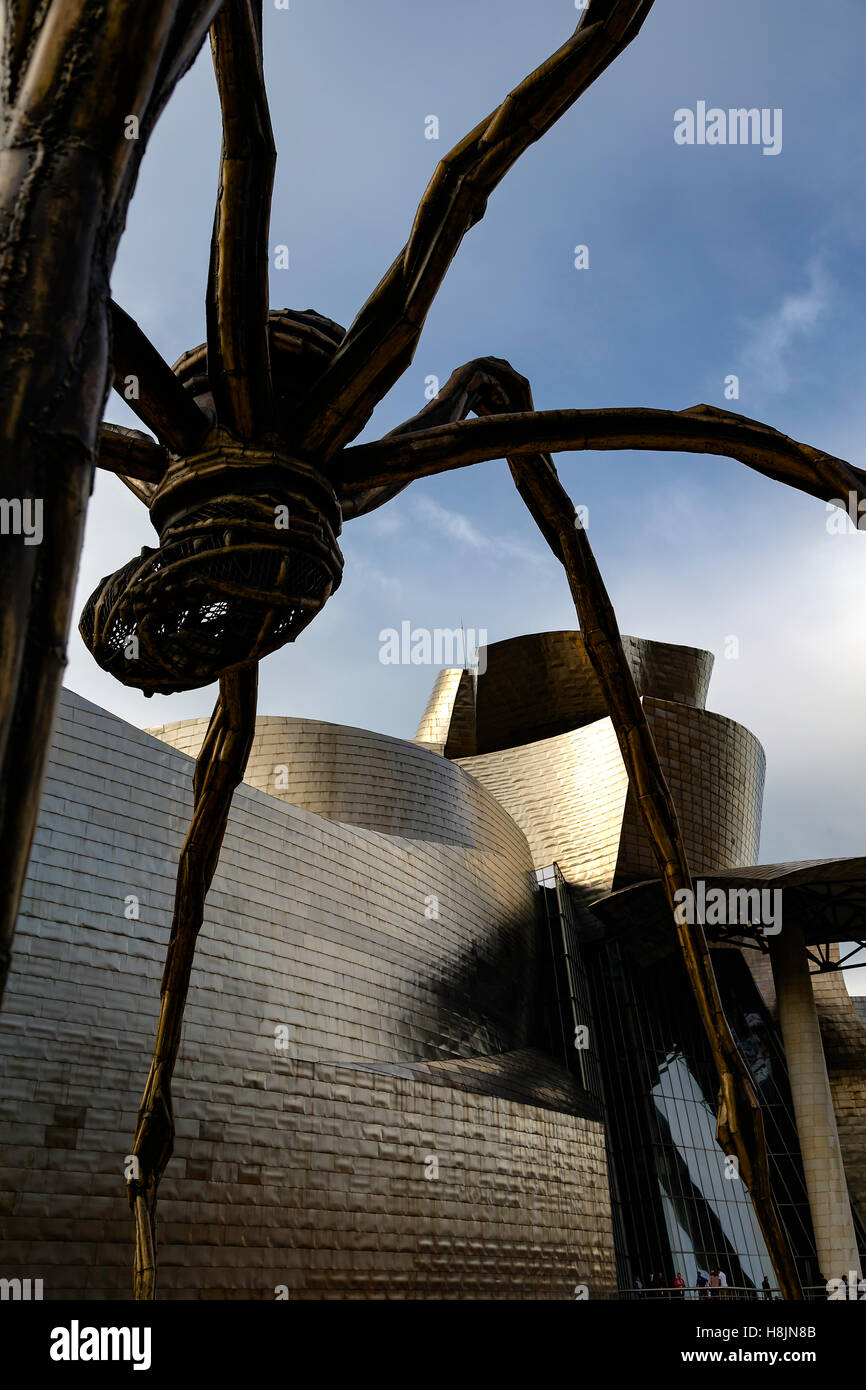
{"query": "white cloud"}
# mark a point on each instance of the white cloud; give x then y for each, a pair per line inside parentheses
(458, 527)
(386, 523)
(365, 574)
(452, 524)
(774, 334)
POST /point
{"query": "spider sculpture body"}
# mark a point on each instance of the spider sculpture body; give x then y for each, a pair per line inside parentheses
(252, 472)
(248, 550)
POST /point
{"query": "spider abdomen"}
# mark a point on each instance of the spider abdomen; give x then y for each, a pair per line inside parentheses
(247, 557)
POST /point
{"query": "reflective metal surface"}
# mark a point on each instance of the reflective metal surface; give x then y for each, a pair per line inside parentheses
(361, 1109)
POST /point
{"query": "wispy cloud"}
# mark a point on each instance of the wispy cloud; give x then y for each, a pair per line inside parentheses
(455, 525)
(365, 574)
(385, 522)
(458, 527)
(773, 335)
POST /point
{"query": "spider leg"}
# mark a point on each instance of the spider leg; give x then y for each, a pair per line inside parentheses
(134, 457)
(490, 386)
(462, 393)
(740, 1125)
(72, 73)
(381, 342)
(237, 293)
(429, 444)
(239, 366)
(159, 399)
(219, 769)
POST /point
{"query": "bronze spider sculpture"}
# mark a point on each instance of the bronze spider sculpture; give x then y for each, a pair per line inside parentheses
(253, 471)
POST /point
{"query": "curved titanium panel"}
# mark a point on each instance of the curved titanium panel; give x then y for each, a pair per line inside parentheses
(542, 684)
(570, 796)
(361, 778)
(448, 722)
(715, 769)
(308, 1093)
(567, 794)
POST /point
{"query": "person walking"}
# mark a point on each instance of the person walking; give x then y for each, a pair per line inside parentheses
(766, 1288)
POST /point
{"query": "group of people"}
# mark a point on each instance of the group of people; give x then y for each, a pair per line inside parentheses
(708, 1285)
(656, 1287)
(712, 1285)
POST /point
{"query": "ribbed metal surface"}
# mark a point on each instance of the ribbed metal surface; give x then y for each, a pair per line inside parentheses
(542, 684)
(406, 1039)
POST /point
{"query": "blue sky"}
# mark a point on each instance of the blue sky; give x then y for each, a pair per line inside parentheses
(704, 261)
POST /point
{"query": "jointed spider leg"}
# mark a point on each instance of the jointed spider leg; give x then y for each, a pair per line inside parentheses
(150, 388)
(462, 393)
(240, 379)
(420, 448)
(237, 292)
(238, 350)
(740, 1124)
(72, 74)
(219, 768)
(489, 386)
(381, 342)
(134, 457)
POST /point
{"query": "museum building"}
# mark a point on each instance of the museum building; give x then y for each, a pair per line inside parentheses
(439, 1041)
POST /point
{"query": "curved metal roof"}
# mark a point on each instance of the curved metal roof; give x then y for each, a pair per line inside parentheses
(825, 897)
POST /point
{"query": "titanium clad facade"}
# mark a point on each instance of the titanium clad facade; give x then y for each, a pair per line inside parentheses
(339, 1036)
(381, 1092)
(546, 750)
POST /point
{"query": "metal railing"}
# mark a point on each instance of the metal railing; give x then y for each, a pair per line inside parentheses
(732, 1292)
(694, 1294)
